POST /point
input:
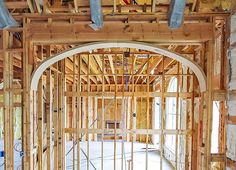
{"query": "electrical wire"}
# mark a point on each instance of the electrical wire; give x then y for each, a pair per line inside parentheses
(16, 147)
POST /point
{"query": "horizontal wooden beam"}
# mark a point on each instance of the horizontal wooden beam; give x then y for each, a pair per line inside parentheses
(16, 4)
(13, 90)
(218, 157)
(231, 120)
(17, 104)
(144, 17)
(127, 94)
(45, 33)
(12, 50)
(136, 131)
(219, 95)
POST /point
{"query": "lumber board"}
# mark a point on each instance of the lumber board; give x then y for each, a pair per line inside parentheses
(136, 131)
(129, 94)
(231, 120)
(49, 114)
(8, 102)
(153, 32)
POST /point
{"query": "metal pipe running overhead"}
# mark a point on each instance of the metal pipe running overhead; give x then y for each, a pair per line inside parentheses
(176, 13)
(6, 20)
(96, 14)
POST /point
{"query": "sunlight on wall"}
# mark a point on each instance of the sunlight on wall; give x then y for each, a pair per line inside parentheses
(215, 127)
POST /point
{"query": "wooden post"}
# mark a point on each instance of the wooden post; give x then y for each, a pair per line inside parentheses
(123, 111)
(177, 120)
(133, 107)
(95, 113)
(79, 112)
(114, 6)
(55, 118)
(209, 103)
(88, 113)
(103, 112)
(61, 117)
(27, 63)
(74, 110)
(40, 124)
(8, 101)
(49, 117)
(162, 116)
(147, 112)
(153, 6)
(128, 117)
(115, 120)
(134, 117)
(84, 115)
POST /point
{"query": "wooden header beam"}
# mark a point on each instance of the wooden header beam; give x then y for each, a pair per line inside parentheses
(45, 33)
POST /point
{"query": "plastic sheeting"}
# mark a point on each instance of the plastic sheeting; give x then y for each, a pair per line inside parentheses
(6, 20)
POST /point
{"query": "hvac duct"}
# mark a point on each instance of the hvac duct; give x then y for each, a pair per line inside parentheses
(96, 14)
(6, 20)
(176, 13)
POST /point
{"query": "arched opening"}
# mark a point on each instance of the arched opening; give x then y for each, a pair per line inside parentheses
(143, 46)
(105, 103)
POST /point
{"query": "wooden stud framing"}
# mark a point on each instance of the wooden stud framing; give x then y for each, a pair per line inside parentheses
(49, 117)
(55, 119)
(27, 102)
(40, 119)
(74, 111)
(87, 80)
(134, 114)
(147, 112)
(177, 120)
(123, 111)
(115, 119)
(79, 117)
(8, 102)
(61, 118)
(88, 114)
(209, 104)
(103, 113)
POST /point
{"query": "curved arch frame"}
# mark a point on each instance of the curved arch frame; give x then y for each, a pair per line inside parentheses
(98, 45)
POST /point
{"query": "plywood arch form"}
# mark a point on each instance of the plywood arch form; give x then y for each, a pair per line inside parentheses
(99, 45)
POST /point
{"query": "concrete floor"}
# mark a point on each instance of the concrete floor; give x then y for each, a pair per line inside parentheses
(95, 156)
(139, 156)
